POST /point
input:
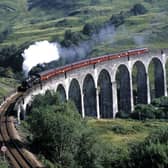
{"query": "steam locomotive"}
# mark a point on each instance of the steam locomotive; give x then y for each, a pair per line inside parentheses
(38, 78)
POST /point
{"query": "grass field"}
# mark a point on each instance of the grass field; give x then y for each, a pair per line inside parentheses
(7, 85)
(122, 132)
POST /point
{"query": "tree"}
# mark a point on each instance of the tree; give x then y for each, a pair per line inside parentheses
(88, 29)
(117, 19)
(138, 9)
(71, 38)
(11, 57)
(61, 135)
(56, 128)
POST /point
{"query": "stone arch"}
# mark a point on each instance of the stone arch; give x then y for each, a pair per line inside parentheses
(105, 94)
(22, 113)
(89, 92)
(62, 93)
(123, 90)
(156, 78)
(139, 83)
(28, 108)
(75, 94)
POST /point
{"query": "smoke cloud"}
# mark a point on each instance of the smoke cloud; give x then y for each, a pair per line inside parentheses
(39, 53)
(45, 52)
(81, 51)
(139, 40)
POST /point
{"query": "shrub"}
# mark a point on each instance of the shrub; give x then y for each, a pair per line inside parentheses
(113, 157)
(143, 112)
(160, 102)
(4, 34)
(119, 129)
(138, 9)
(89, 29)
(123, 114)
(160, 136)
(11, 57)
(71, 38)
(117, 19)
(153, 152)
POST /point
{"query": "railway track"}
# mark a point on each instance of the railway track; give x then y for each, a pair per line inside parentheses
(17, 154)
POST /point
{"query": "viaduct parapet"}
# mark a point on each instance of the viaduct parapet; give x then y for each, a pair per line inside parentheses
(108, 87)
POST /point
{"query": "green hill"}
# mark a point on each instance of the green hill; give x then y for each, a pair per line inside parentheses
(26, 22)
(7, 86)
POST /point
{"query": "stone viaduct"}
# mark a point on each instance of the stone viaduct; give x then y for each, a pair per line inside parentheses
(109, 87)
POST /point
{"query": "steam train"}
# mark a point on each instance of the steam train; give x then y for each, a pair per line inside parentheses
(38, 78)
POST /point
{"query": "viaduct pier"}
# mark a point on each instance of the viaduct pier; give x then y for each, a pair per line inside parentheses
(108, 87)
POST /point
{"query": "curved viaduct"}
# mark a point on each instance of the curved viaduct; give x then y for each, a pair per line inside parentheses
(106, 88)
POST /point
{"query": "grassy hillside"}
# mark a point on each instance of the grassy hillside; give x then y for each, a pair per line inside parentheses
(39, 23)
(7, 85)
(122, 132)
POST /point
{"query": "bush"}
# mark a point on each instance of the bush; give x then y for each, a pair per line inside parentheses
(89, 29)
(113, 157)
(153, 152)
(89, 152)
(161, 102)
(150, 155)
(4, 34)
(143, 112)
(160, 136)
(11, 57)
(123, 114)
(138, 9)
(117, 19)
(118, 129)
(71, 38)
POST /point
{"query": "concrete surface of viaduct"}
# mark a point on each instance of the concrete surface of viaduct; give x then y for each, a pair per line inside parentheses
(106, 88)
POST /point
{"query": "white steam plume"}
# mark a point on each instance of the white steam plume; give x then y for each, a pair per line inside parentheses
(45, 52)
(39, 53)
(140, 39)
